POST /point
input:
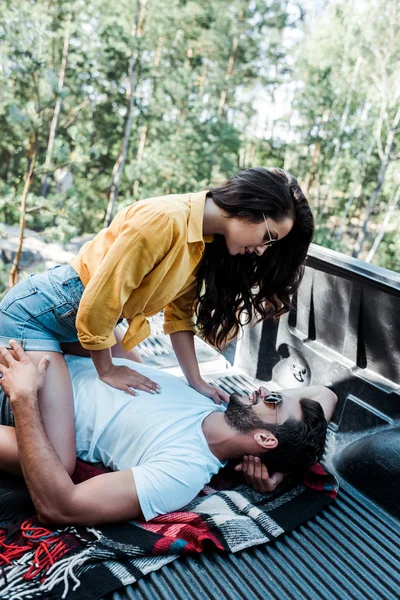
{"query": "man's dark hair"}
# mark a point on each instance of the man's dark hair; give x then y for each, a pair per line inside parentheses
(300, 443)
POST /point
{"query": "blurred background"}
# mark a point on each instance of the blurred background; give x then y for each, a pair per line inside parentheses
(105, 102)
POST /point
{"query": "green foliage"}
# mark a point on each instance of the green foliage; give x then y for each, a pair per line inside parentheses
(388, 254)
(218, 86)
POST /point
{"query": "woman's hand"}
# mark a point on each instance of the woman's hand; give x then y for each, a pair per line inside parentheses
(256, 474)
(183, 345)
(128, 380)
(215, 393)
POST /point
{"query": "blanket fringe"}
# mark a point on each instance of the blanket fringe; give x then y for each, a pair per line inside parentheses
(38, 554)
(46, 545)
(63, 570)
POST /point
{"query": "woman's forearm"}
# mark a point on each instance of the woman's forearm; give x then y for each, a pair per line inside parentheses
(102, 360)
(183, 345)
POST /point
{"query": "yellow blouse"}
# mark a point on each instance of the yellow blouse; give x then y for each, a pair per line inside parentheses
(145, 261)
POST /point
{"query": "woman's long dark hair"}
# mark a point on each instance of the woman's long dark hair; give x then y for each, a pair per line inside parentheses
(234, 290)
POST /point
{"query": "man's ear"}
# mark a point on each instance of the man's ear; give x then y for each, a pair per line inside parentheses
(266, 440)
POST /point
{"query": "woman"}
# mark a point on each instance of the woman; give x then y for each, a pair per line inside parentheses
(204, 252)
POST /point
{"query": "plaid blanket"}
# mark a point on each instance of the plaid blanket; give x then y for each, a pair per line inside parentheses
(85, 563)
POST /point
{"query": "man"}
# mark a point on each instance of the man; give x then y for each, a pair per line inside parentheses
(162, 450)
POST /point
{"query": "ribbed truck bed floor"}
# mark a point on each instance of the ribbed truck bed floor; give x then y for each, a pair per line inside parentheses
(349, 550)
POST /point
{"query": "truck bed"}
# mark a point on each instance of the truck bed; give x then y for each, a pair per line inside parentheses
(345, 333)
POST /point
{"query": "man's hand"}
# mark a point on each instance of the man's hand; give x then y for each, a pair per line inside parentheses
(256, 474)
(215, 393)
(20, 376)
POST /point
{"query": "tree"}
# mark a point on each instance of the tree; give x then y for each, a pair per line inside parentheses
(136, 34)
(389, 213)
(56, 114)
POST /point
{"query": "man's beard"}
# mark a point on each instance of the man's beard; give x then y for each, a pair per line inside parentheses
(241, 416)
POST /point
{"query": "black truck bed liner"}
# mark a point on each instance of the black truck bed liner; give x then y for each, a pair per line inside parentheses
(349, 550)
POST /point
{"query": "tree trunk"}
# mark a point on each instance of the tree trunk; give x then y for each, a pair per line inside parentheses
(44, 188)
(356, 187)
(222, 100)
(314, 166)
(145, 128)
(381, 178)
(139, 157)
(392, 207)
(120, 162)
(228, 73)
(203, 78)
(32, 154)
(338, 140)
(370, 207)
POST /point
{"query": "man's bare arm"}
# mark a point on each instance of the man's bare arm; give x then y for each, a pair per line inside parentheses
(105, 498)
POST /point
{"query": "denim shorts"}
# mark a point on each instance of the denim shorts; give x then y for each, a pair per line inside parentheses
(40, 311)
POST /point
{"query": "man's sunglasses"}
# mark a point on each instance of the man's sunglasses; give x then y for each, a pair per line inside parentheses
(273, 398)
